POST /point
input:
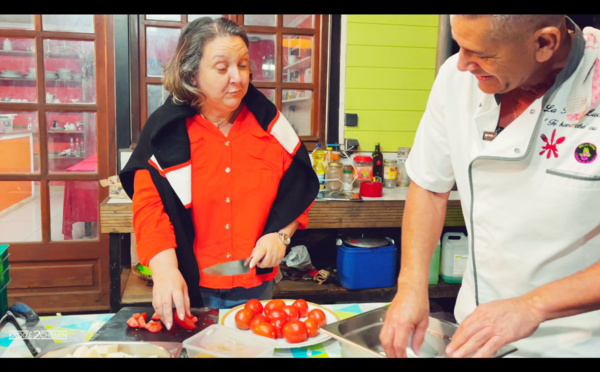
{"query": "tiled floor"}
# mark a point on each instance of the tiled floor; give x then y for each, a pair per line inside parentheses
(24, 223)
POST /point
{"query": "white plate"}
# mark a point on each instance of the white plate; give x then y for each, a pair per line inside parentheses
(228, 320)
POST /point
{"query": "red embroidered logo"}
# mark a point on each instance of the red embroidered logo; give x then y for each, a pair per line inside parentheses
(550, 147)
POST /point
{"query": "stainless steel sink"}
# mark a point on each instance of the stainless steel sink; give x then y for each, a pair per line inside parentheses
(359, 336)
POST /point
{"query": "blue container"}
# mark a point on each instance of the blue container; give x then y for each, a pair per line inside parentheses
(361, 267)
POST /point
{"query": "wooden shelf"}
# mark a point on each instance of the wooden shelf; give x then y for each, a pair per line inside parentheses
(137, 292)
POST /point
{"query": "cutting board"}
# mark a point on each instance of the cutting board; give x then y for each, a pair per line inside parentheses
(116, 328)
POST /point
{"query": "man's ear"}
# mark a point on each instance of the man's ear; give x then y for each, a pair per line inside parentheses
(547, 41)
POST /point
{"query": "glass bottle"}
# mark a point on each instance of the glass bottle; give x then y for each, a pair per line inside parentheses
(402, 156)
(377, 164)
(348, 178)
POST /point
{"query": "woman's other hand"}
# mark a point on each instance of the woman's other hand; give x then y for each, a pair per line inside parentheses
(169, 288)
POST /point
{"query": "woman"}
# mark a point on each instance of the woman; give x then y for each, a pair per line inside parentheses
(218, 175)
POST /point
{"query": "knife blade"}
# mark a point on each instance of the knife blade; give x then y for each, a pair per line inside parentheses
(229, 268)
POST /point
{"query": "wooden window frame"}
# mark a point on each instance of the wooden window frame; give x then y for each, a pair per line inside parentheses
(320, 32)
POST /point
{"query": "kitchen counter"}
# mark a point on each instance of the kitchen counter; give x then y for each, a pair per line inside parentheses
(80, 328)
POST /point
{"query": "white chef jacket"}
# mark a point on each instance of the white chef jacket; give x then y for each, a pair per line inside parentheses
(530, 197)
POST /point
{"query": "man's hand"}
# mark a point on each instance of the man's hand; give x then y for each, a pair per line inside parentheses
(408, 315)
(493, 325)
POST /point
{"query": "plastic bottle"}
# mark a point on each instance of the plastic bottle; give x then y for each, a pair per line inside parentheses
(402, 156)
(72, 148)
(390, 173)
(377, 164)
(434, 266)
(348, 178)
(454, 257)
(318, 159)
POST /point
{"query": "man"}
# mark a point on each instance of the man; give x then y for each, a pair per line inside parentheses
(513, 120)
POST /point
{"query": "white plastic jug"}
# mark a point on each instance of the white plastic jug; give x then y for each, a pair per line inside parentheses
(454, 257)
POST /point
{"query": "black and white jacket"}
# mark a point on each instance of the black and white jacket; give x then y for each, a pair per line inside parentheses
(164, 150)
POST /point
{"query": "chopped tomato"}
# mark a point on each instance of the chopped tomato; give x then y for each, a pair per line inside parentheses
(133, 323)
(154, 326)
(137, 315)
(155, 316)
(186, 323)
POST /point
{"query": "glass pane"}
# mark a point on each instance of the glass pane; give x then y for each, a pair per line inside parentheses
(19, 142)
(262, 57)
(17, 70)
(269, 93)
(20, 211)
(260, 19)
(69, 71)
(72, 142)
(157, 95)
(18, 21)
(73, 210)
(160, 47)
(299, 20)
(191, 17)
(297, 108)
(68, 22)
(164, 17)
(297, 59)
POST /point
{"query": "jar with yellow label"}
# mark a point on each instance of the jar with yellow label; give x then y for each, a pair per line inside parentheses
(390, 172)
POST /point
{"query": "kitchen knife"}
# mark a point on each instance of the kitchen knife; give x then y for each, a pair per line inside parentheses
(229, 268)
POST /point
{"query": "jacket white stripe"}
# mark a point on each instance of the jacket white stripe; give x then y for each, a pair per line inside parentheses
(286, 135)
(180, 180)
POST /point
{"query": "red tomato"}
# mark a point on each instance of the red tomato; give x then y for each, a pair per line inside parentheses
(264, 329)
(302, 307)
(273, 304)
(318, 315)
(278, 314)
(292, 312)
(243, 318)
(154, 326)
(312, 327)
(254, 305)
(155, 316)
(259, 318)
(278, 324)
(295, 331)
(186, 323)
(141, 319)
(137, 315)
(133, 323)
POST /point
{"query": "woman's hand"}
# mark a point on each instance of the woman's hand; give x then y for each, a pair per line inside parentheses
(169, 288)
(268, 251)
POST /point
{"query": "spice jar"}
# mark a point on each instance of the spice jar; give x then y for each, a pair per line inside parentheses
(390, 173)
(364, 169)
(333, 176)
(348, 177)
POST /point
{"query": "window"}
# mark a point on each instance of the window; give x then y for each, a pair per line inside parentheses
(288, 63)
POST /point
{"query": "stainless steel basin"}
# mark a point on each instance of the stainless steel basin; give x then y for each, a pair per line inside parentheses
(359, 336)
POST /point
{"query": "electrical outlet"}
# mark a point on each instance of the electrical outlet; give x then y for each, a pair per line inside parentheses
(351, 144)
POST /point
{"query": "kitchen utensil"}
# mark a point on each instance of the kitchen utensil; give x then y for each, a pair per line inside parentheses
(359, 336)
(229, 268)
(116, 328)
(228, 320)
(371, 189)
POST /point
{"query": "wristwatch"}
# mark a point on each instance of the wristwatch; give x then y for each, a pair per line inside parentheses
(285, 238)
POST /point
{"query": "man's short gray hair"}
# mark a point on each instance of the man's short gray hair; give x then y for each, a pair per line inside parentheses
(514, 25)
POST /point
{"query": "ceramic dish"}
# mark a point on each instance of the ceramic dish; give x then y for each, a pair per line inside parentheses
(228, 320)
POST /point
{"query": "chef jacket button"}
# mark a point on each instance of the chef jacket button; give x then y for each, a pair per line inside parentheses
(227, 226)
(532, 111)
(226, 143)
(227, 170)
(227, 200)
(228, 255)
(517, 151)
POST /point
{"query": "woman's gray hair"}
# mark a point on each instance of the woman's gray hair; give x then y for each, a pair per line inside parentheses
(184, 65)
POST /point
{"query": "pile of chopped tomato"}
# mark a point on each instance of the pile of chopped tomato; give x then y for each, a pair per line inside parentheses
(138, 320)
(276, 319)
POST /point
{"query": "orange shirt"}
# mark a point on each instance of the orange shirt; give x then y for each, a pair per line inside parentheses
(234, 182)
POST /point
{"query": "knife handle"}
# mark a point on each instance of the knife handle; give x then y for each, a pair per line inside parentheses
(265, 270)
(23, 311)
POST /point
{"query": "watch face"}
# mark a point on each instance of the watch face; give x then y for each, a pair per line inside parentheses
(285, 238)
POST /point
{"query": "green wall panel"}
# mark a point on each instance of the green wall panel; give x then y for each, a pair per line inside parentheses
(389, 71)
